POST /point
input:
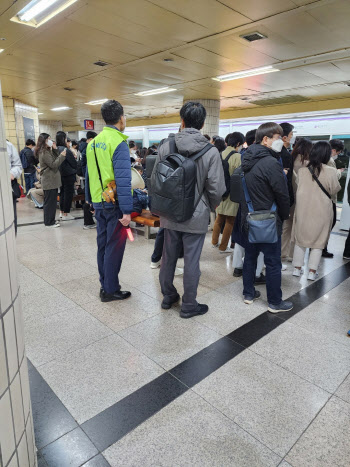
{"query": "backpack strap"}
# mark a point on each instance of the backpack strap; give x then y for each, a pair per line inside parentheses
(172, 145)
(201, 152)
(227, 158)
(319, 183)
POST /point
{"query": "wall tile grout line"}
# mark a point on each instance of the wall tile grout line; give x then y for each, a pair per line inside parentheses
(116, 421)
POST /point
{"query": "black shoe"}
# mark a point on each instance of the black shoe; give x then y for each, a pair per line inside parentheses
(260, 280)
(101, 292)
(200, 310)
(327, 254)
(237, 272)
(111, 297)
(167, 305)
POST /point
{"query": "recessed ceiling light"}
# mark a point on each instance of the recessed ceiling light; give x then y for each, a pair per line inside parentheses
(246, 73)
(40, 113)
(100, 101)
(155, 91)
(1, 50)
(38, 12)
(55, 109)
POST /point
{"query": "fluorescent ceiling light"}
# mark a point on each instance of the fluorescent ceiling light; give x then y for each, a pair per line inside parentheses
(36, 9)
(38, 12)
(100, 101)
(155, 91)
(246, 73)
(1, 50)
(60, 108)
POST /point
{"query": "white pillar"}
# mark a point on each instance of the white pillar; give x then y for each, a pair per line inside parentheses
(145, 137)
(16, 425)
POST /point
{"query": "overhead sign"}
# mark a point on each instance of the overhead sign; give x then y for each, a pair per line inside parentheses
(89, 124)
(28, 128)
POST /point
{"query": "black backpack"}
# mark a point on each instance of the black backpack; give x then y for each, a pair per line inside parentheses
(226, 167)
(24, 160)
(79, 169)
(236, 185)
(174, 184)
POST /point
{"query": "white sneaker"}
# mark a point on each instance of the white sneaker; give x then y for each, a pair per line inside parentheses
(228, 250)
(215, 246)
(311, 276)
(296, 272)
(61, 216)
(54, 226)
(88, 227)
(155, 265)
(179, 271)
(68, 217)
(284, 267)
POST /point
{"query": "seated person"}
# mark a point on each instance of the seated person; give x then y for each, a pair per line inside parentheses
(37, 194)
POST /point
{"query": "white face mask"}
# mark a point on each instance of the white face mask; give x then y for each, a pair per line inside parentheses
(133, 151)
(335, 157)
(277, 145)
(49, 142)
(292, 140)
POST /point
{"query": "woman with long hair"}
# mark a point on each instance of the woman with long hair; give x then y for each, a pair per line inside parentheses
(50, 160)
(300, 157)
(313, 217)
(68, 174)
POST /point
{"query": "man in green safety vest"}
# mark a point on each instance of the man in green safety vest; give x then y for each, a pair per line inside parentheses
(108, 160)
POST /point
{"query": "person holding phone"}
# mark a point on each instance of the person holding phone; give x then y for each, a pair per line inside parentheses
(50, 160)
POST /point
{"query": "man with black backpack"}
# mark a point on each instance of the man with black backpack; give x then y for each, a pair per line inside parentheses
(29, 162)
(187, 183)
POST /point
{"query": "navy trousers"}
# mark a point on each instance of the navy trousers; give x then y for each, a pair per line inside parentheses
(272, 255)
(111, 239)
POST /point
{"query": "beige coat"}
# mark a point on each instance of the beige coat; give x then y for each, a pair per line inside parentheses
(314, 211)
(227, 207)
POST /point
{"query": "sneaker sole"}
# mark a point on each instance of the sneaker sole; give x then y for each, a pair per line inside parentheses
(191, 315)
(105, 300)
(250, 302)
(278, 311)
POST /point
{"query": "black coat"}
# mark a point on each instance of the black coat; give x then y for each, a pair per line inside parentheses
(266, 183)
(82, 149)
(287, 161)
(69, 165)
(31, 160)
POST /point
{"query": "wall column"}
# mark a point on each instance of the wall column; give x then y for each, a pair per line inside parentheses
(17, 447)
(212, 106)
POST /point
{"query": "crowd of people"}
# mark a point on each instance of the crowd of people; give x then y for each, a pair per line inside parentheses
(274, 197)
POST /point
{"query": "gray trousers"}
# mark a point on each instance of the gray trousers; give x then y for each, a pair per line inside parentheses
(192, 248)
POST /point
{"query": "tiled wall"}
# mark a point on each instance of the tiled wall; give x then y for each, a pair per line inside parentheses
(99, 122)
(17, 448)
(10, 120)
(212, 106)
(51, 127)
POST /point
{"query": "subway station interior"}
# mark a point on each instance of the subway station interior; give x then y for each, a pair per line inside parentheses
(98, 367)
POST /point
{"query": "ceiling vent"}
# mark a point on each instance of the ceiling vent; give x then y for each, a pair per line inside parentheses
(279, 100)
(100, 63)
(253, 36)
(69, 89)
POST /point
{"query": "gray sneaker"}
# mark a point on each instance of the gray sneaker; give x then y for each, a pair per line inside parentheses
(88, 227)
(283, 306)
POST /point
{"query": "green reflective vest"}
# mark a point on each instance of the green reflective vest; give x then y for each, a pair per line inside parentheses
(105, 145)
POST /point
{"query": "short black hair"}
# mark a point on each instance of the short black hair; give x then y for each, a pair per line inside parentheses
(226, 138)
(207, 136)
(193, 114)
(236, 139)
(250, 137)
(112, 111)
(83, 140)
(320, 154)
(30, 142)
(132, 144)
(287, 128)
(75, 143)
(61, 138)
(90, 135)
(267, 129)
(220, 144)
(337, 144)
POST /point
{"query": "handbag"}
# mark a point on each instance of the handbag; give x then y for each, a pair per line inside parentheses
(262, 225)
(16, 191)
(319, 183)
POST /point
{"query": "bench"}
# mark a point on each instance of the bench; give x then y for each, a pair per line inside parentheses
(148, 220)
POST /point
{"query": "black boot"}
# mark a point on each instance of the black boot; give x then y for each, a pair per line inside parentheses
(111, 297)
(238, 272)
(327, 254)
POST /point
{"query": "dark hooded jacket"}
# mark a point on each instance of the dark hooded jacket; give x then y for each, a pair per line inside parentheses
(266, 183)
(287, 161)
(69, 165)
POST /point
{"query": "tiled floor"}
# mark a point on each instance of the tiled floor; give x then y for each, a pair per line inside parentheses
(129, 384)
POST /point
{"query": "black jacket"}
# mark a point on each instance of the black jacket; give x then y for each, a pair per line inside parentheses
(266, 183)
(287, 161)
(69, 165)
(31, 160)
(82, 149)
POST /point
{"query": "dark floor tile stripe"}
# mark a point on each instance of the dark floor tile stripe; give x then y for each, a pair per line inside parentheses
(116, 421)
